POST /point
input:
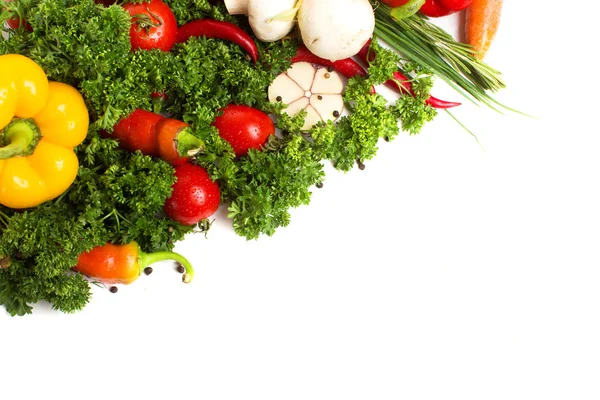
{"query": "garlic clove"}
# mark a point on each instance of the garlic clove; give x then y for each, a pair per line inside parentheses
(285, 90)
(327, 81)
(329, 106)
(303, 74)
(311, 119)
(312, 115)
(297, 106)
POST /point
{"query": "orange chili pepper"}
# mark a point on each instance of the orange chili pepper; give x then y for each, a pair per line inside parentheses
(124, 263)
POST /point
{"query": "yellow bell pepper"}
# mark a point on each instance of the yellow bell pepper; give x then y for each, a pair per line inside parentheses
(41, 122)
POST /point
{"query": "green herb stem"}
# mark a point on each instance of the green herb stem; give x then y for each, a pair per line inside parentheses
(146, 259)
(419, 40)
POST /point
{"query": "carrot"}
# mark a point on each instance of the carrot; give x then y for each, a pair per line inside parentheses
(158, 136)
(481, 23)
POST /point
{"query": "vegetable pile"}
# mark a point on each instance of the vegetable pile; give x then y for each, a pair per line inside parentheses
(178, 122)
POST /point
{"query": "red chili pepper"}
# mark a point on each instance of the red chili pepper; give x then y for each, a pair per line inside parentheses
(157, 136)
(347, 66)
(400, 83)
(219, 30)
(124, 263)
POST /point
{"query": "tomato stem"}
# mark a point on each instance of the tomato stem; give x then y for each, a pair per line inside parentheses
(145, 22)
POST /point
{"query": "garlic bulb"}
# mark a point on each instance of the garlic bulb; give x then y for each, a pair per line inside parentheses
(306, 87)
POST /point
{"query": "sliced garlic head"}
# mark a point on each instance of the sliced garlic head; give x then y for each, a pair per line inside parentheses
(305, 87)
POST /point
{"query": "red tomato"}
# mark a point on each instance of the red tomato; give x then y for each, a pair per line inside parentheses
(153, 25)
(15, 23)
(195, 196)
(395, 3)
(244, 128)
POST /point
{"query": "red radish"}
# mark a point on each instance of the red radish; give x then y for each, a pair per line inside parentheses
(195, 196)
(244, 128)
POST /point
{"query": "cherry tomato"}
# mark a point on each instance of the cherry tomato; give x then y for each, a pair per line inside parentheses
(195, 196)
(244, 128)
(395, 3)
(153, 25)
(16, 22)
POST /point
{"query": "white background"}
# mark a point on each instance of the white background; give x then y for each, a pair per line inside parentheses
(444, 270)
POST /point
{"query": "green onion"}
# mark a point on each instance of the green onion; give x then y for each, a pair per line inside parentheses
(419, 40)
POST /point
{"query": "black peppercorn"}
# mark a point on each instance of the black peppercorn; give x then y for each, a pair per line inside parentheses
(180, 268)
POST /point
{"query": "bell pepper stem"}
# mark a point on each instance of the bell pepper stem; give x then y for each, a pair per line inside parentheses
(19, 138)
(406, 10)
(146, 259)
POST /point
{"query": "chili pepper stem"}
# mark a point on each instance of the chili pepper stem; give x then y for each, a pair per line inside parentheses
(19, 138)
(187, 144)
(146, 259)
